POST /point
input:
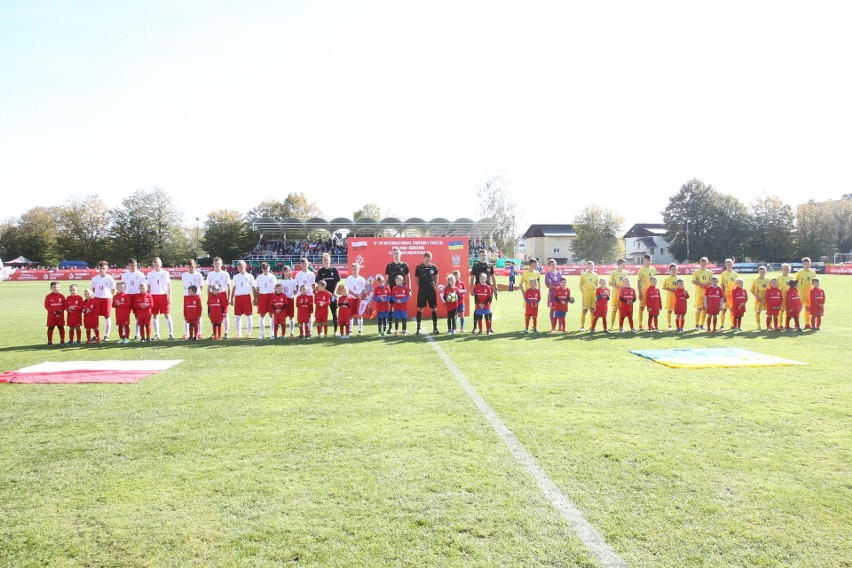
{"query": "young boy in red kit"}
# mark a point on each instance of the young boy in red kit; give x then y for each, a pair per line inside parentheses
(794, 305)
(322, 300)
(382, 298)
(739, 300)
(533, 299)
(714, 300)
(121, 302)
(681, 295)
(54, 303)
(192, 311)
(817, 304)
(654, 303)
(278, 304)
(561, 299)
(304, 309)
(626, 298)
(217, 305)
(401, 294)
(602, 294)
(91, 317)
(143, 306)
(344, 310)
(774, 300)
(74, 306)
(460, 286)
(450, 296)
(482, 296)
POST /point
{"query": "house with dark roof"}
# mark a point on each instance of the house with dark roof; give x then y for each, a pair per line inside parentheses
(647, 238)
(550, 241)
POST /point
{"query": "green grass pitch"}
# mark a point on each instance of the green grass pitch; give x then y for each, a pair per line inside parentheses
(368, 452)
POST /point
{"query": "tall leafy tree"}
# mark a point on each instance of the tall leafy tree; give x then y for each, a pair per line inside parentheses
(294, 205)
(33, 235)
(824, 228)
(718, 223)
(770, 230)
(83, 228)
(369, 211)
(147, 224)
(227, 234)
(598, 235)
(497, 203)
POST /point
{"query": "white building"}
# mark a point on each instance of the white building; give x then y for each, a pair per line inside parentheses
(647, 238)
(549, 241)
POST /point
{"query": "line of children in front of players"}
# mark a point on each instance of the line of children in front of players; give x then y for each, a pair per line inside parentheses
(780, 300)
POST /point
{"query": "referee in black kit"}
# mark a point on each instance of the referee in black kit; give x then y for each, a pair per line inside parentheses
(331, 277)
(427, 282)
(397, 268)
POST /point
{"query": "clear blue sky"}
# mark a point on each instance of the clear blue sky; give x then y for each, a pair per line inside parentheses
(226, 103)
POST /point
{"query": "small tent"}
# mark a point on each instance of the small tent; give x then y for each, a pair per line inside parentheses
(20, 261)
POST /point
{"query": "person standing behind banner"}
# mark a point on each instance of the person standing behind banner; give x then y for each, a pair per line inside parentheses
(133, 280)
(191, 277)
(104, 286)
(221, 279)
(243, 295)
(160, 285)
(427, 291)
(330, 275)
(266, 282)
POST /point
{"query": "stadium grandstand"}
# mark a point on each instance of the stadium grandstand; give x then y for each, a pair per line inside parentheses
(286, 241)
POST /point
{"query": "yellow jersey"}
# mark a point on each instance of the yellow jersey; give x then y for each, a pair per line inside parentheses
(728, 281)
(758, 288)
(528, 276)
(782, 285)
(804, 282)
(701, 277)
(615, 284)
(670, 285)
(589, 282)
(644, 278)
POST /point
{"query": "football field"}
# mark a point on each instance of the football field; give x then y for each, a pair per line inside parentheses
(508, 450)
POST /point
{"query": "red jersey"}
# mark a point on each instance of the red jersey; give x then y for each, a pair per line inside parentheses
(401, 295)
(739, 299)
(322, 300)
(626, 297)
(216, 304)
(55, 303)
(278, 303)
(143, 305)
(382, 297)
(304, 307)
(74, 305)
(681, 297)
(482, 298)
(653, 300)
(713, 298)
(192, 308)
(90, 313)
(462, 291)
(451, 306)
(774, 299)
(122, 303)
(344, 310)
(533, 298)
(794, 302)
(601, 301)
(817, 301)
(560, 299)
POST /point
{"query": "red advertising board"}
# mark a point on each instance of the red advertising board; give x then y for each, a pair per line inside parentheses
(838, 269)
(448, 253)
(86, 274)
(602, 269)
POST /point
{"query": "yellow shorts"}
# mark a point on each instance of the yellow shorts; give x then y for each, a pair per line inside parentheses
(589, 299)
(699, 298)
(670, 302)
(760, 305)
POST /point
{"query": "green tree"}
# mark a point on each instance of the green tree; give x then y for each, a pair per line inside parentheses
(33, 235)
(227, 234)
(497, 203)
(294, 205)
(770, 230)
(368, 211)
(815, 230)
(598, 235)
(83, 228)
(146, 225)
(718, 223)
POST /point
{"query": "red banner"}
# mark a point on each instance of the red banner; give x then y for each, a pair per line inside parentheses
(838, 269)
(604, 269)
(88, 274)
(448, 253)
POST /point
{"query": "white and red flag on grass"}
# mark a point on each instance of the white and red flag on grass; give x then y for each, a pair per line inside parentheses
(71, 372)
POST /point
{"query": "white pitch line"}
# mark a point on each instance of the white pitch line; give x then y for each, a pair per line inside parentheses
(572, 515)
